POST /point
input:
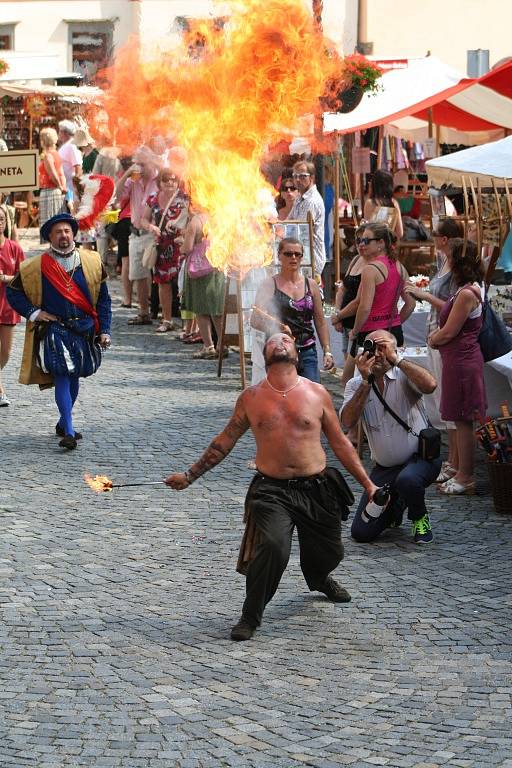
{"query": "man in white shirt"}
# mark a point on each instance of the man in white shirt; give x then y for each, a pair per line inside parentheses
(395, 450)
(310, 200)
(71, 159)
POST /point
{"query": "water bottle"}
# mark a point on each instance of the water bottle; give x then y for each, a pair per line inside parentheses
(376, 507)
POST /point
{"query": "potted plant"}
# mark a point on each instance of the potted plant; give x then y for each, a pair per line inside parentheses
(364, 78)
(358, 76)
(4, 67)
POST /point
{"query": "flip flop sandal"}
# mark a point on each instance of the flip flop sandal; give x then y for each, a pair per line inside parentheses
(207, 353)
(195, 338)
(140, 320)
(453, 488)
(446, 473)
(165, 327)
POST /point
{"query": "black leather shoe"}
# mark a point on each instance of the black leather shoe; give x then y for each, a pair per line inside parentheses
(334, 591)
(243, 630)
(59, 431)
(69, 442)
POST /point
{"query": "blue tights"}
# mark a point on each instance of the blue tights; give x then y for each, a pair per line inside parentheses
(66, 392)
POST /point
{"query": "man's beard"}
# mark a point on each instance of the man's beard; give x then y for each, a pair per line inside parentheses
(282, 356)
(63, 251)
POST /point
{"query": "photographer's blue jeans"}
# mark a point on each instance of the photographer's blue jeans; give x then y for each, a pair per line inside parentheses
(408, 483)
(308, 364)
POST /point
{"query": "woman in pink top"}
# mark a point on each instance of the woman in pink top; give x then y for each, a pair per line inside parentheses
(382, 284)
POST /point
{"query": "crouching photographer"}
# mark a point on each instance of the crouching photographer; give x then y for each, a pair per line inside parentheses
(387, 394)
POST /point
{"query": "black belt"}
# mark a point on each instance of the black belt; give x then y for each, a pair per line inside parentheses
(294, 482)
(135, 231)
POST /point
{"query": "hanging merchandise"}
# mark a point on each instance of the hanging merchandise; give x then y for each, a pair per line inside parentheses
(35, 106)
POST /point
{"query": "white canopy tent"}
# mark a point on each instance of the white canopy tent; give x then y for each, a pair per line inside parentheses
(72, 93)
(486, 162)
(429, 89)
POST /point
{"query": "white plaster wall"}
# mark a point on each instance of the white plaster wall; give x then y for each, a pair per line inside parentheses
(42, 27)
(410, 28)
(157, 18)
(340, 23)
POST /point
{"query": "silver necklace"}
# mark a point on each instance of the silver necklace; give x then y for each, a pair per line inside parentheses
(284, 392)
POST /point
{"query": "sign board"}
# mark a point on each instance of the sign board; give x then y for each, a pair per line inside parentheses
(360, 160)
(18, 170)
(429, 148)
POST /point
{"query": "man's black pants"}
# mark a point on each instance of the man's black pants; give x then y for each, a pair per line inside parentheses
(276, 507)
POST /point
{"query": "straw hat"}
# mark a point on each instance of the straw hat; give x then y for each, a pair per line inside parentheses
(82, 138)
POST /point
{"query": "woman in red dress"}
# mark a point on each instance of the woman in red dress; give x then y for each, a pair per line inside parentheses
(11, 256)
(171, 205)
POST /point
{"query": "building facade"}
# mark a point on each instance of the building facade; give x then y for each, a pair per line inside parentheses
(412, 28)
(44, 38)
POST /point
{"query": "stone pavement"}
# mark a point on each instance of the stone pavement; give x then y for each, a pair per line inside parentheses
(116, 609)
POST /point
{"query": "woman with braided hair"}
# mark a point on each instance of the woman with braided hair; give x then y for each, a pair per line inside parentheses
(382, 284)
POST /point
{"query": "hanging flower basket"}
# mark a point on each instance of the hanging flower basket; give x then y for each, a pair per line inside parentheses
(4, 67)
(350, 98)
(358, 75)
(363, 72)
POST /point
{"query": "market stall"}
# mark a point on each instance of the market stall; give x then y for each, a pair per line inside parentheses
(431, 91)
(24, 110)
(483, 164)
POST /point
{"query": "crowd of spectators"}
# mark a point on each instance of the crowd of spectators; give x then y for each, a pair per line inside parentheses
(161, 238)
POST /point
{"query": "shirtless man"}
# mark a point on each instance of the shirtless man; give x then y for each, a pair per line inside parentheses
(293, 486)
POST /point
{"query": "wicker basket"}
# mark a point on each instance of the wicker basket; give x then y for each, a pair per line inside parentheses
(500, 476)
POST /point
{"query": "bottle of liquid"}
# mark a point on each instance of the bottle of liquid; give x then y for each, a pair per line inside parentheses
(376, 507)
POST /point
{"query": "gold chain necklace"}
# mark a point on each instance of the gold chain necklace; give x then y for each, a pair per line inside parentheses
(70, 276)
(284, 392)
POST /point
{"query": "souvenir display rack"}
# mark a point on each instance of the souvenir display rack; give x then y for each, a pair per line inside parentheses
(20, 130)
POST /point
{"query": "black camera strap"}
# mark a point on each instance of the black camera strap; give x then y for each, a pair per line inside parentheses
(390, 410)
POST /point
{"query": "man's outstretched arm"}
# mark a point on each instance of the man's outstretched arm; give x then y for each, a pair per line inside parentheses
(216, 451)
(343, 448)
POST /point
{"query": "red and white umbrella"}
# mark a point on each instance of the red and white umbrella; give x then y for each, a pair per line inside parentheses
(429, 90)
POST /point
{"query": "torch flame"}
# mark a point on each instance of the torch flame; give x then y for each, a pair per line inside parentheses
(226, 94)
(100, 483)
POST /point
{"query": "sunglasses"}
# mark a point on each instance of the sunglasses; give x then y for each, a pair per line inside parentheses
(298, 254)
(365, 240)
(288, 189)
(300, 175)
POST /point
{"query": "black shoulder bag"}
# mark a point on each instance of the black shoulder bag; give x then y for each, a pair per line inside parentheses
(429, 439)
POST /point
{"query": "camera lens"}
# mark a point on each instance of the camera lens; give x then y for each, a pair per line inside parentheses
(369, 347)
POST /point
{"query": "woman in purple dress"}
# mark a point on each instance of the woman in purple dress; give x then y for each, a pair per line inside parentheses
(462, 384)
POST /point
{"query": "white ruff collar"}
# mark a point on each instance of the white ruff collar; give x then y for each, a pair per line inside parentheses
(68, 263)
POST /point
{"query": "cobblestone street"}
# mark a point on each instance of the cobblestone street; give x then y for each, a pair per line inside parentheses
(116, 608)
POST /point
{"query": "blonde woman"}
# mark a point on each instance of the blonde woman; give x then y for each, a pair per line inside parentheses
(51, 177)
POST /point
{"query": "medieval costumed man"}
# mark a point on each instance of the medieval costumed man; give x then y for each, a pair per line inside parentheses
(64, 296)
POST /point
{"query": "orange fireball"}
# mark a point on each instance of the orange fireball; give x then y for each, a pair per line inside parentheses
(99, 483)
(226, 94)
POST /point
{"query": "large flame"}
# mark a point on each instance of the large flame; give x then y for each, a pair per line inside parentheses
(225, 95)
(99, 483)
